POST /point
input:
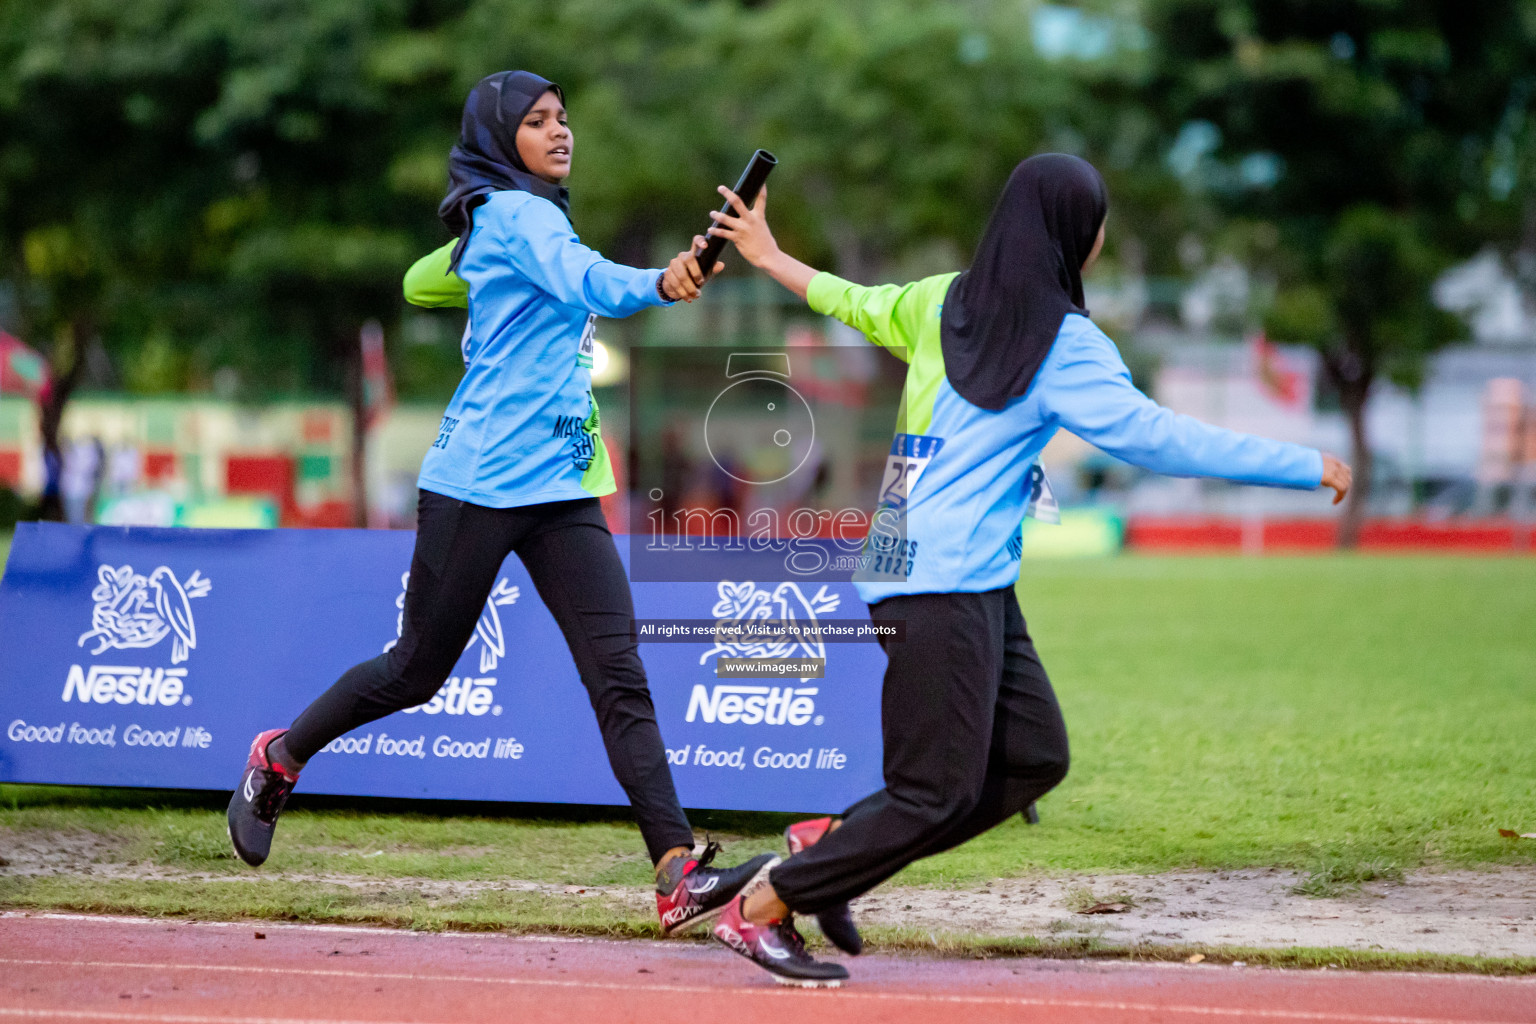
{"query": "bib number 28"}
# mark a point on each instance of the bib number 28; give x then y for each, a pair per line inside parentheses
(910, 455)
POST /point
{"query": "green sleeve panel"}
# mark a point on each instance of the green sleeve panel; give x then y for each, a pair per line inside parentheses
(598, 480)
(431, 283)
(882, 314)
(904, 319)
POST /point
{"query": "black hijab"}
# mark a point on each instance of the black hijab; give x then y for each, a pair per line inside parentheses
(1001, 316)
(485, 159)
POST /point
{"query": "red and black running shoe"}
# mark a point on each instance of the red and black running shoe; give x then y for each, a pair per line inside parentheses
(836, 922)
(258, 800)
(690, 892)
(777, 948)
(803, 835)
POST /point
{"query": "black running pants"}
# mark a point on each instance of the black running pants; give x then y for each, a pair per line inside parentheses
(972, 735)
(569, 553)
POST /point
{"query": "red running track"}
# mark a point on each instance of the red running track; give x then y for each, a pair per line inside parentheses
(69, 969)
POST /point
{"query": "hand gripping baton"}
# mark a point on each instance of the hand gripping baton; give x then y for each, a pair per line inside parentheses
(747, 187)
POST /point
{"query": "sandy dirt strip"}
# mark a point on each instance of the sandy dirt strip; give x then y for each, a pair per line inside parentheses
(1488, 913)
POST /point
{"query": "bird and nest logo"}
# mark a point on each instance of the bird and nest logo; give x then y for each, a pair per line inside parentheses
(462, 693)
(488, 630)
(132, 611)
(763, 629)
(786, 605)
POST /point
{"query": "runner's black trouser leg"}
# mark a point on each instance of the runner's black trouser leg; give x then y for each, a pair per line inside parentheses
(459, 550)
(577, 571)
(972, 734)
(569, 552)
(1028, 756)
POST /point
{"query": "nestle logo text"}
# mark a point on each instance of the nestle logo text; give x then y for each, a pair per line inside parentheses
(126, 684)
(751, 705)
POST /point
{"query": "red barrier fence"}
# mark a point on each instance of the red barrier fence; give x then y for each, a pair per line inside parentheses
(1196, 533)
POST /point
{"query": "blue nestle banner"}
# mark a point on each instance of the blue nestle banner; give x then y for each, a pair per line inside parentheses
(150, 657)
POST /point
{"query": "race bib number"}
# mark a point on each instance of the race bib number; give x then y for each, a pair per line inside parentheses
(588, 337)
(1042, 503)
(910, 455)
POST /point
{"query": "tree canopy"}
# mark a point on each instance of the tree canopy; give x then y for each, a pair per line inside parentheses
(1364, 146)
(204, 186)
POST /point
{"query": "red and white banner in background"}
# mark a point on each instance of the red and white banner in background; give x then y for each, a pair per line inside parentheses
(378, 387)
(1283, 382)
(22, 370)
(1508, 450)
(1261, 388)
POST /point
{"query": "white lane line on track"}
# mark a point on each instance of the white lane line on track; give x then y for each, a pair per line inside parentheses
(171, 1018)
(630, 988)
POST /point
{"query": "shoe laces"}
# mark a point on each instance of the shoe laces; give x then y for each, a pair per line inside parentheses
(790, 936)
(710, 849)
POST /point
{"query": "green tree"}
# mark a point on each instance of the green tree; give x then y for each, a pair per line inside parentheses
(211, 176)
(198, 184)
(898, 123)
(1377, 139)
(192, 185)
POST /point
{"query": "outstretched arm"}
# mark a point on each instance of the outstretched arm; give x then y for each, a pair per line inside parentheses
(1089, 392)
(887, 315)
(749, 230)
(432, 283)
(538, 245)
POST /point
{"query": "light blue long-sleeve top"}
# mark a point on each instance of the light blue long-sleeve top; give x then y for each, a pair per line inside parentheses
(959, 477)
(523, 427)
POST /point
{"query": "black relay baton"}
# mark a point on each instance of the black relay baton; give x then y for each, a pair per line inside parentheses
(747, 187)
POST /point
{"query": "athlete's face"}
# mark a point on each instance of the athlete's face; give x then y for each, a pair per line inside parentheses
(1098, 244)
(544, 140)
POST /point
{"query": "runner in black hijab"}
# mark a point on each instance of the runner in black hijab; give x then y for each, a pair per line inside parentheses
(485, 159)
(1002, 315)
(979, 734)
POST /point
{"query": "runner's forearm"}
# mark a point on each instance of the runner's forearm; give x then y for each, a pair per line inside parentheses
(789, 272)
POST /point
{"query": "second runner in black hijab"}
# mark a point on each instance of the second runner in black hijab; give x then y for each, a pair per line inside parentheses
(1001, 357)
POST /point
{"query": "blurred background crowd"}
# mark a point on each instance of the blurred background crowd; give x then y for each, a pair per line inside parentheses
(1322, 228)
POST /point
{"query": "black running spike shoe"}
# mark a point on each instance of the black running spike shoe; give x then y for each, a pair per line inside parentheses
(836, 922)
(689, 892)
(258, 800)
(777, 948)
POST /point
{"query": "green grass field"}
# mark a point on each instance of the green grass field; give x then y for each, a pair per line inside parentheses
(1348, 716)
(1229, 712)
